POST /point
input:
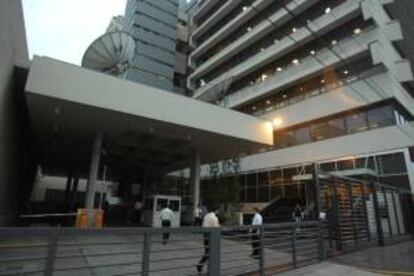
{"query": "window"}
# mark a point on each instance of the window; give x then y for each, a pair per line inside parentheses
(345, 165)
(381, 117)
(175, 205)
(53, 195)
(251, 187)
(302, 136)
(263, 186)
(356, 122)
(328, 167)
(284, 139)
(275, 184)
(161, 203)
(392, 163)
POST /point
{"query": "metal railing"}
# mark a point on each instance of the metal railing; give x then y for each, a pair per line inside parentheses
(142, 251)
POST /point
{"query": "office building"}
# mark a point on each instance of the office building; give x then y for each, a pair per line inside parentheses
(334, 77)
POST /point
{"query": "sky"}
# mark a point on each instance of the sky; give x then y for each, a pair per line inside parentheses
(63, 29)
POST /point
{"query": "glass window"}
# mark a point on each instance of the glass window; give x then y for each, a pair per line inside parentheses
(275, 184)
(161, 203)
(392, 163)
(302, 136)
(381, 117)
(251, 187)
(284, 139)
(175, 205)
(345, 165)
(356, 122)
(328, 167)
(330, 129)
(242, 187)
(263, 186)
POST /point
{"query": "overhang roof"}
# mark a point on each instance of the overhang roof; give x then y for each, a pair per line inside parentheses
(143, 126)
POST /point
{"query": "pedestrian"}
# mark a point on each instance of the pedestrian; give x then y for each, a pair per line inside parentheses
(166, 216)
(198, 218)
(297, 213)
(256, 221)
(209, 220)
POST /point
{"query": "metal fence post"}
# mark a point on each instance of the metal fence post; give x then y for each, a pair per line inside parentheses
(397, 221)
(145, 266)
(377, 215)
(365, 211)
(317, 190)
(294, 245)
(51, 252)
(215, 255)
(320, 241)
(262, 252)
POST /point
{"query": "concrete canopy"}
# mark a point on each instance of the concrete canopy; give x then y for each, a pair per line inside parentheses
(143, 127)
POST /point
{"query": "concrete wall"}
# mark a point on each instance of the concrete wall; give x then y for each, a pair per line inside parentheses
(14, 154)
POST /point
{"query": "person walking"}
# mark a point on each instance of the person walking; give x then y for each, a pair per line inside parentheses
(297, 213)
(166, 216)
(210, 220)
(256, 221)
(198, 217)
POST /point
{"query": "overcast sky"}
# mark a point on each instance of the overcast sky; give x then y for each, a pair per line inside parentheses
(63, 29)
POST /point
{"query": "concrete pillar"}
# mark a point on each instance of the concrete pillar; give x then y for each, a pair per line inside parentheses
(195, 178)
(93, 172)
(74, 192)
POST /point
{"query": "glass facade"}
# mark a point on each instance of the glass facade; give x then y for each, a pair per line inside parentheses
(336, 126)
(266, 185)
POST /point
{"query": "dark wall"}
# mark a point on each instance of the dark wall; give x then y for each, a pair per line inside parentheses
(16, 158)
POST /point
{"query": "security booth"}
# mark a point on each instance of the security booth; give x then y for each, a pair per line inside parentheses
(154, 205)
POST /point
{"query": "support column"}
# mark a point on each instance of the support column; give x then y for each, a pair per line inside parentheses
(195, 178)
(93, 175)
(68, 188)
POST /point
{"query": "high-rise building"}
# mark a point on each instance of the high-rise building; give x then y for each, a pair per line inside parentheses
(333, 76)
(153, 25)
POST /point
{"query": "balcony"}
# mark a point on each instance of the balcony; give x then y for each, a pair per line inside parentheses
(321, 25)
(348, 48)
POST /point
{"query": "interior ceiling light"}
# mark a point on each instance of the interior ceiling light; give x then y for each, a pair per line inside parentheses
(357, 31)
(284, 96)
(295, 61)
(268, 102)
(313, 52)
(244, 8)
(322, 80)
(249, 29)
(327, 10)
(279, 69)
(294, 30)
(334, 42)
(346, 72)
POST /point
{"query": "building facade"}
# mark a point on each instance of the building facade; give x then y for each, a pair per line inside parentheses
(153, 25)
(333, 76)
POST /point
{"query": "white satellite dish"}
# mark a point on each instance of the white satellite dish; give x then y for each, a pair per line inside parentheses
(111, 53)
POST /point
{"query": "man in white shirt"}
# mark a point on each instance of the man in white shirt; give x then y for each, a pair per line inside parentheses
(210, 220)
(166, 216)
(257, 221)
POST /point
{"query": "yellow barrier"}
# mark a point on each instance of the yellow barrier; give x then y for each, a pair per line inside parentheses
(82, 218)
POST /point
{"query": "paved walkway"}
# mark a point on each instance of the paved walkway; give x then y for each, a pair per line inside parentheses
(396, 259)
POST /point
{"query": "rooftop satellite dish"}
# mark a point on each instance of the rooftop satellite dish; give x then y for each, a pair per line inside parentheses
(111, 53)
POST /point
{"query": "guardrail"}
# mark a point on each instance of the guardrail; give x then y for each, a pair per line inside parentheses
(141, 251)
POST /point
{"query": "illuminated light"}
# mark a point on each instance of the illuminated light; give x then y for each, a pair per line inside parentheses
(249, 29)
(268, 102)
(284, 96)
(202, 83)
(357, 31)
(264, 76)
(301, 89)
(334, 42)
(279, 69)
(312, 52)
(262, 49)
(253, 107)
(295, 61)
(327, 10)
(277, 122)
(244, 8)
(308, 21)
(346, 72)
(322, 80)
(294, 30)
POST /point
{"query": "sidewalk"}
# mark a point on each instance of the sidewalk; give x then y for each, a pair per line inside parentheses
(396, 259)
